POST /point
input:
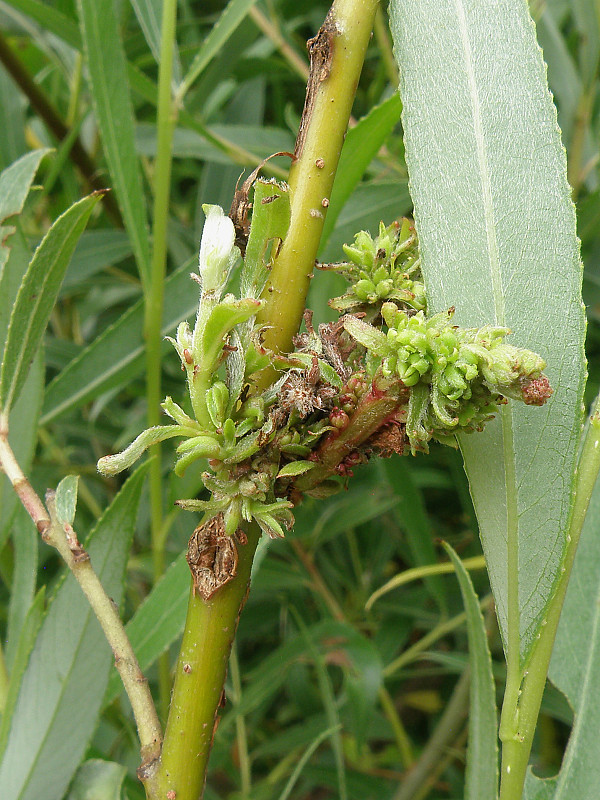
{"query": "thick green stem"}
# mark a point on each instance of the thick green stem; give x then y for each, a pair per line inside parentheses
(167, 114)
(199, 678)
(337, 55)
(515, 751)
(210, 625)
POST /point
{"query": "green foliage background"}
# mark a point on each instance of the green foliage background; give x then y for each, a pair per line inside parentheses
(359, 693)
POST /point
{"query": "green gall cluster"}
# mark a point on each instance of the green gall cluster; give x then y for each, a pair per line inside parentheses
(458, 376)
(377, 377)
(386, 268)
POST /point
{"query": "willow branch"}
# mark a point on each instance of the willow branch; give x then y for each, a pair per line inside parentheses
(65, 540)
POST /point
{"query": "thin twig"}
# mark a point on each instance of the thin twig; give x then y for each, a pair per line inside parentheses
(65, 540)
(272, 32)
(317, 581)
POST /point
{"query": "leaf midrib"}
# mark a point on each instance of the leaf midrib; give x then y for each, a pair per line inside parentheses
(513, 610)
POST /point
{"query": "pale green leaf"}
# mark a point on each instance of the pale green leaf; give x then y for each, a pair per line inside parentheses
(63, 685)
(148, 13)
(66, 499)
(25, 547)
(98, 780)
(37, 295)
(482, 752)
(295, 468)
(497, 236)
(110, 91)
(24, 646)
(538, 789)
(15, 183)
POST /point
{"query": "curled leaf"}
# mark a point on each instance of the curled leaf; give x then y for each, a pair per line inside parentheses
(112, 465)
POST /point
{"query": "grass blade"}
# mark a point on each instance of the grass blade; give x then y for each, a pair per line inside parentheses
(37, 295)
(482, 753)
(110, 91)
(233, 14)
(304, 760)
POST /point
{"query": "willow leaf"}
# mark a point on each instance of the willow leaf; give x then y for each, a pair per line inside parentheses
(497, 232)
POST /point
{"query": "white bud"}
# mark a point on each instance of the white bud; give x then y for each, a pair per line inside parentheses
(218, 252)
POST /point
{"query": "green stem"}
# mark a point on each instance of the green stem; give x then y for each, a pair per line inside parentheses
(199, 678)
(210, 625)
(153, 312)
(335, 69)
(384, 400)
(4, 680)
(515, 751)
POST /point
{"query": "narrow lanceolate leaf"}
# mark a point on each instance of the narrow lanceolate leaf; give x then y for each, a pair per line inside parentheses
(37, 294)
(497, 236)
(24, 646)
(482, 752)
(110, 91)
(117, 356)
(25, 547)
(15, 183)
(575, 668)
(62, 688)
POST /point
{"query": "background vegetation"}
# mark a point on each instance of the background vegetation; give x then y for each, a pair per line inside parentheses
(354, 697)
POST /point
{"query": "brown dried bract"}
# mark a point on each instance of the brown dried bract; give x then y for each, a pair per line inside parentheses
(212, 557)
(320, 50)
(389, 439)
